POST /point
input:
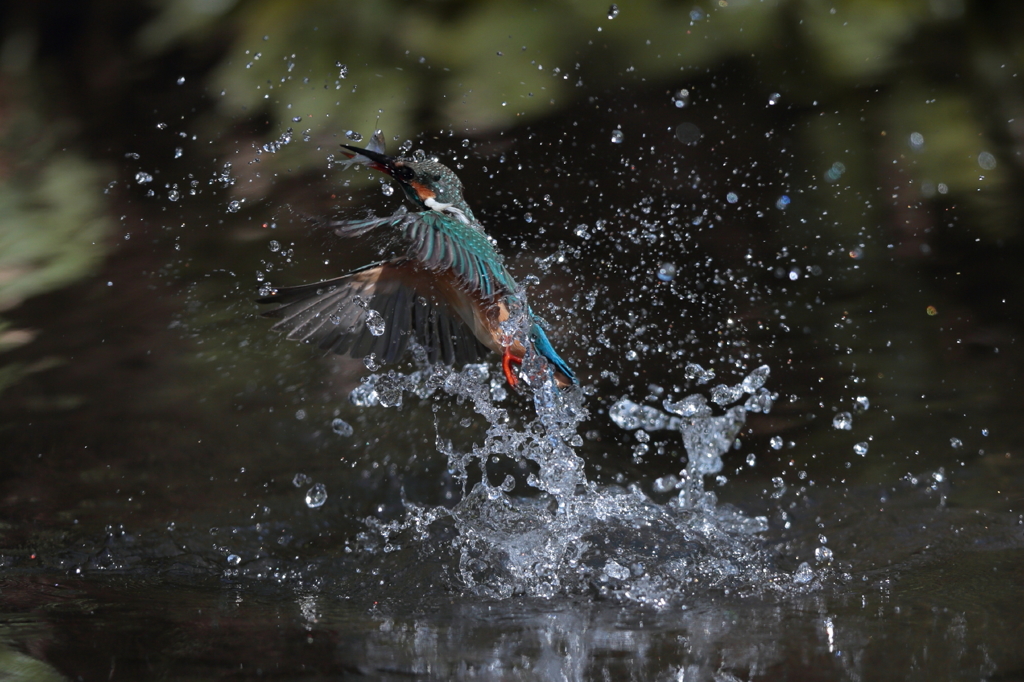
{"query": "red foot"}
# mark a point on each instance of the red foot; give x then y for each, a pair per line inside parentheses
(507, 360)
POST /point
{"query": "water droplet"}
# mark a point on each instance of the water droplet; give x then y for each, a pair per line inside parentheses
(761, 402)
(528, 217)
(823, 555)
(375, 322)
(300, 480)
(300, 414)
(161, 126)
(776, 443)
(665, 484)
(956, 443)
(181, 80)
(342, 69)
(804, 574)
(691, 406)
(695, 371)
(756, 379)
(843, 421)
(916, 141)
(614, 569)
(861, 448)
(618, 136)
(751, 459)
(178, 152)
(631, 355)
(354, 136)
(835, 171)
(773, 99)
(173, 195)
(613, 11)
(363, 395)
(342, 427)
(725, 395)
(386, 189)
(234, 559)
(688, 133)
(987, 160)
(732, 197)
(316, 496)
(371, 362)
(234, 207)
(782, 202)
(389, 391)
(143, 178)
(274, 245)
(667, 272)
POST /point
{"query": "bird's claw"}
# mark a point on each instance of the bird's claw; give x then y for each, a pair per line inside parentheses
(507, 360)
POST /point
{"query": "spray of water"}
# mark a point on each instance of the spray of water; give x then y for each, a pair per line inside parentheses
(569, 535)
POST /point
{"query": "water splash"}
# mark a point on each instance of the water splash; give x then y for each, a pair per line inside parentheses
(564, 534)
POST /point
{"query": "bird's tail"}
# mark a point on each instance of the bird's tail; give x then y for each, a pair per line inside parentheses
(544, 347)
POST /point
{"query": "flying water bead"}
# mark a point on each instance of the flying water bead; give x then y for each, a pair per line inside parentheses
(843, 421)
(316, 496)
(375, 322)
(342, 427)
(804, 574)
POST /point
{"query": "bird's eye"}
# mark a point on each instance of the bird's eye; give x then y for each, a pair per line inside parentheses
(404, 173)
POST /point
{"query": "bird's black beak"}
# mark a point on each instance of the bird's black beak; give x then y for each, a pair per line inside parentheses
(370, 158)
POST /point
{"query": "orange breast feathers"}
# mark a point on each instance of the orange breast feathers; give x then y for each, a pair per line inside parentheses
(422, 191)
(482, 315)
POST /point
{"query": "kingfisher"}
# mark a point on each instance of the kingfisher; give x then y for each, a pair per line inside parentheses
(448, 287)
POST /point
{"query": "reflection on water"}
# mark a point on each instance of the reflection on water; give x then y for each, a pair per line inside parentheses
(865, 629)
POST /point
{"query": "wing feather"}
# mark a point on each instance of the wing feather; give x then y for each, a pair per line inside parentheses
(332, 314)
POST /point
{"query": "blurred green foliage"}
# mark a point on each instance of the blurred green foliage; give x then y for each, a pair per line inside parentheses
(53, 224)
(476, 67)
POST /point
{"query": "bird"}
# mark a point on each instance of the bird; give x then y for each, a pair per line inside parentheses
(447, 287)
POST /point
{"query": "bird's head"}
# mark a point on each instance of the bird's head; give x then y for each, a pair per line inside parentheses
(427, 184)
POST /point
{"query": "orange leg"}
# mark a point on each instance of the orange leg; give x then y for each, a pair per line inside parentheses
(507, 360)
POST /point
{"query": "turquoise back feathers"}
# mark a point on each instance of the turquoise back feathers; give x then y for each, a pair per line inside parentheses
(441, 242)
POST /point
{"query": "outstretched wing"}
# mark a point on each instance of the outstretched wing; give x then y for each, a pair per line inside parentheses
(334, 315)
(441, 242)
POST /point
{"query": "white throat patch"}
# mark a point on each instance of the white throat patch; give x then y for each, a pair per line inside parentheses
(436, 205)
